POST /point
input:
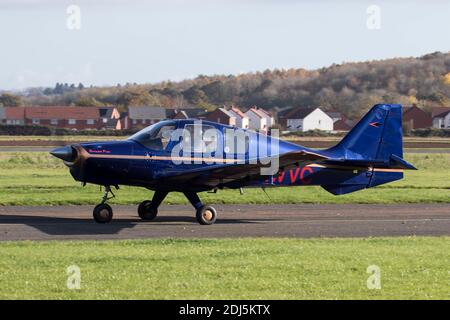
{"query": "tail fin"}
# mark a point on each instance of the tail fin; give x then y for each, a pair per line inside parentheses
(378, 135)
(376, 140)
(376, 143)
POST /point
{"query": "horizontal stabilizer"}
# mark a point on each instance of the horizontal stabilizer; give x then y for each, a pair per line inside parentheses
(343, 189)
(394, 162)
(400, 163)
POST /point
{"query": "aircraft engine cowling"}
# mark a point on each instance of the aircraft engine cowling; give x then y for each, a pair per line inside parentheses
(77, 162)
(74, 157)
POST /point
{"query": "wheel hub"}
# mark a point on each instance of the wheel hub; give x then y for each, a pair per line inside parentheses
(208, 215)
(104, 213)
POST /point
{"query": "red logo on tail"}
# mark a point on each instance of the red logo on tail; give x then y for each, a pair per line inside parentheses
(375, 124)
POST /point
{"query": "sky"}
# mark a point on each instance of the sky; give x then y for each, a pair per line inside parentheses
(100, 42)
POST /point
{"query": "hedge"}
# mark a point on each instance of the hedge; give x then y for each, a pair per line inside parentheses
(27, 130)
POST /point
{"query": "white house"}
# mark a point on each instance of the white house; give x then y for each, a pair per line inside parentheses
(269, 118)
(257, 119)
(301, 119)
(242, 121)
(441, 118)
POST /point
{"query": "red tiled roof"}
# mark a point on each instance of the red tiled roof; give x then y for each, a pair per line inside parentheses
(342, 125)
(15, 113)
(265, 112)
(439, 112)
(258, 112)
(60, 113)
(239, 112)
(298, 113)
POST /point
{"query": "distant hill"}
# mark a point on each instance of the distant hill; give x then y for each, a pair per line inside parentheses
(350, 88)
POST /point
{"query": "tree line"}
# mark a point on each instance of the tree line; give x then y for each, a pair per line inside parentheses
(350, 88)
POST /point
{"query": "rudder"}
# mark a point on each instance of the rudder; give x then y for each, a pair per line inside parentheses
(377, 135)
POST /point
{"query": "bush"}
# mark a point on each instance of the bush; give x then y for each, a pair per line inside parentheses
(314, 133)
(429, 132)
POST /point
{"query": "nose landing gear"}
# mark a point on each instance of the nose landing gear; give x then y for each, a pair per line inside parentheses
(103, 212)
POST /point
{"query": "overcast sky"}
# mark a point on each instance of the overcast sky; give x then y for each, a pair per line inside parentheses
(149, 41)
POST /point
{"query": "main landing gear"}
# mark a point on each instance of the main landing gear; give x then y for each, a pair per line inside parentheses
(148, 210)
(205, 214)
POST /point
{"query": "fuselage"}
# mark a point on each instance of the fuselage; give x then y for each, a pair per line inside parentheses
(140, 161)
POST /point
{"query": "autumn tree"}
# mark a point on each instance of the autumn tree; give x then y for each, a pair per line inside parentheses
(10, 100)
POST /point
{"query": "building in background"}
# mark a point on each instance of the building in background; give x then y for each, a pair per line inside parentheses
(305, 119)
(2, 115)
(67, 117)
(441, 118)
(15, 115)
(110, 118)
(221, 115)
(257, 119)
(282, 116)
(270, 119)
(144, 116)
(343, 125)
(335, 115)
(77, 118)
(242, 121)
(416, 118)
(195, 113)
(340, 122)
(124, 120)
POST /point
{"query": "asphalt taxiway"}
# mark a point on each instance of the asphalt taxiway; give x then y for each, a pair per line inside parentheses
(234, 221)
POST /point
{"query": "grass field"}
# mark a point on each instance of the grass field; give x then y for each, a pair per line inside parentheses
(34, 178)
(411, 268)
(247, 268)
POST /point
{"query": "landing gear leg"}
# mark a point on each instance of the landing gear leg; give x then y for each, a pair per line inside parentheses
(205, 214)
(103, 212)
(148, 210)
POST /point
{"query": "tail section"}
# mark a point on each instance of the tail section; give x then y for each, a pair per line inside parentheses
(375, 143)
(376, 136)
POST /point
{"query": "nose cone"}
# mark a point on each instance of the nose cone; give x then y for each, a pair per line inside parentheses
(63, 153)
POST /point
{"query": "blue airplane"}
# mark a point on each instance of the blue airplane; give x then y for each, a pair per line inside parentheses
(191, 162)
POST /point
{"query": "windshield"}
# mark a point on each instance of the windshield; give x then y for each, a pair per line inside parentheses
(156, 136)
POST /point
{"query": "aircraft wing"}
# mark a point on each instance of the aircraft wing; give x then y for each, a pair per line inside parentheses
(223, 175)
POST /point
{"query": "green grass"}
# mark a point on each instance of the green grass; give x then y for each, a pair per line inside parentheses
(36, 178)
(411, 268)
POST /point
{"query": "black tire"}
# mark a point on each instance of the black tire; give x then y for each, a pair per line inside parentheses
(103, 213)
(206, 215)
(146, 211)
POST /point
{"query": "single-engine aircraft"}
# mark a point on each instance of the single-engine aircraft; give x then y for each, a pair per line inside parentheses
(191, 156)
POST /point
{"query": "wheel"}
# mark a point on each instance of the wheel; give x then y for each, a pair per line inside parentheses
(146, 211)
(103, 213)
(206, 215)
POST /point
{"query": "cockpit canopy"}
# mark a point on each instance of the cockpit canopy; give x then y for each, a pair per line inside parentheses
(196, 137)
(156, 136)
